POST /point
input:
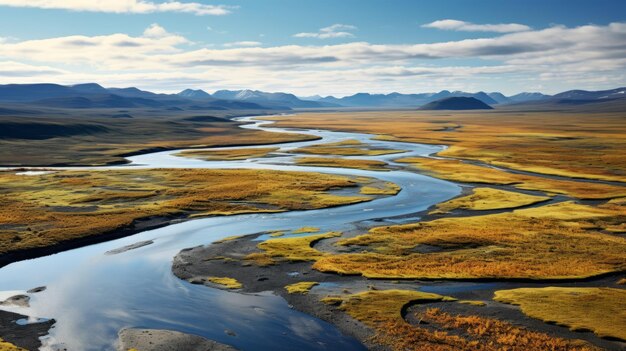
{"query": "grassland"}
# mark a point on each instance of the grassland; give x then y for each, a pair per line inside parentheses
(459, 171)
(580, 145)
(228, 154)
(439, 331)
(482, 199)
(289, 249)
(345, 148)
(7, 346)
(558, 241)
(300, 287)
(93, 137)
(370, 165)
(600, 310)
(228, 283)
(49, 209)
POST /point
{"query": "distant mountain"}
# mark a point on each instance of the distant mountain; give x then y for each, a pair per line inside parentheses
(198, 94)
(591, 95)
(310, 98)
(523, 97)
(90, 88)
(92, 95)
(606, 100)
(457, 103)
(402, 100)
(499, 98)
(32, 92)
(269, 99)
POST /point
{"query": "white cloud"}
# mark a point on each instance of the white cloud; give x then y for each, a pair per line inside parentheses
(155, 31)
(456, 25)
(334, 31)
(122, 6)
(158, 60)
(243, 44)
(17, 69)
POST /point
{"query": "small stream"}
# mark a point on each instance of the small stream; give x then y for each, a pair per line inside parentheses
(92, 295)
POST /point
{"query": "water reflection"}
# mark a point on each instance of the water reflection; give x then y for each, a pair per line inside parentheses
(93, 295)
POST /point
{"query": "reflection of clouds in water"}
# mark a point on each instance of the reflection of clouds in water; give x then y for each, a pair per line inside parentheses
(304, 327)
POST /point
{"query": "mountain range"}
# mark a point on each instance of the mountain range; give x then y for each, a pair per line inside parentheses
(415, 100)
(92, 95)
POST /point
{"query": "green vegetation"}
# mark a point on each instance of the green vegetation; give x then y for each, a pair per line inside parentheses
(600, 310)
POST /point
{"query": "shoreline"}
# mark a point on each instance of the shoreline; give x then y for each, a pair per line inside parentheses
(192, 265)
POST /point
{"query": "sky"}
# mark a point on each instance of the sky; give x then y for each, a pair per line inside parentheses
(325, 47)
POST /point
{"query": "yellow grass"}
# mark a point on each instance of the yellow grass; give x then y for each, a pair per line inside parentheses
(228, 238)
(547, 242)
(228, 154)
(7, 346)
(600, 310)
(386, 188)
(488, 199)
(586, 145)
(306, 230)
(370, 165)
(300, 288)
(345, 148)
(290, 249)
(381, 311)
(228, 283)
(621, 281)
(459, 171)
(472, 302)
(44, 210)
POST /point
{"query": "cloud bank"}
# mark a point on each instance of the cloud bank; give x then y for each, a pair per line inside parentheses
(334, 31)
(456, 25)
(594, 55)
(122, 6)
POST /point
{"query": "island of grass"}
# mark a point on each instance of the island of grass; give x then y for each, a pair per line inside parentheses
(369, 165)
(345, 148)
(600, 310)
(483, 199)
(48, 212)
(579, 145)
(547, 242)
(459, 171)
(227, 154)
(77, 137)
(437, 330)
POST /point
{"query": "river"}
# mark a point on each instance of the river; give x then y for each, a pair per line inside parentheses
(92, 295)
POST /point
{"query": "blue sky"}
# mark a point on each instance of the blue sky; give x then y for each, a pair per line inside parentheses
(316, 47)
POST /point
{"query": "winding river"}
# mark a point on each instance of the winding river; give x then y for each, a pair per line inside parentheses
(92, 295)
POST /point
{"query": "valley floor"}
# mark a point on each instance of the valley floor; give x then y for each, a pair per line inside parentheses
(531, 254)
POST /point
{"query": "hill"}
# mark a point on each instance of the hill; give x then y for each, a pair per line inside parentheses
(92, 95)
(457, 103)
